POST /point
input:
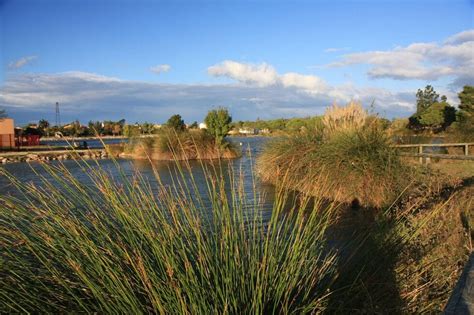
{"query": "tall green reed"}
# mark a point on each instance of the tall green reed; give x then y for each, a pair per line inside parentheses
(122, 244)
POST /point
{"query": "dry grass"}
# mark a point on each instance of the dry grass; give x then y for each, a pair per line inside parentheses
(349, 118)
(349, 158)
(407, 258)
(430, 264)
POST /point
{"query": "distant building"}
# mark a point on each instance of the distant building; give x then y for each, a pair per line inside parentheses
(69, 126)
(233, 132)
(265, 131)
(248, 131)
(7, 133)
(202, 126)
(27, 137)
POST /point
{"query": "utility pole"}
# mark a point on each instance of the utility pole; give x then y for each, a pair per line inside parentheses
(58, 117)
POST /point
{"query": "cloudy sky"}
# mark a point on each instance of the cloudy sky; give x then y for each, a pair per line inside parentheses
(147, 60)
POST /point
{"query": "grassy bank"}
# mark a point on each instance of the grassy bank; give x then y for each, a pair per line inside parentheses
(347, 156)
(119, 244)
(186, 145)
(406, 230)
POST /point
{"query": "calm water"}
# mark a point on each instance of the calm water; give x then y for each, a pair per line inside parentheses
(91, 143)
(251, 147)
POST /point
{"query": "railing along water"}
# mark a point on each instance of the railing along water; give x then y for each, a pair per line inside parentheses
(420, 154)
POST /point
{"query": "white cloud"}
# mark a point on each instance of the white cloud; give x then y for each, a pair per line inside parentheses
(421, 61)
(21, 62)
(261, 75)
(462, 37)
(308, 83)
(265, 75)
(160, 68)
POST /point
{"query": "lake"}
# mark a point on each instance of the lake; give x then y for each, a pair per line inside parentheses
(91, 143)
(251, 147)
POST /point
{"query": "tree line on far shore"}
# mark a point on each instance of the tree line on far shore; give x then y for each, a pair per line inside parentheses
(218, 122)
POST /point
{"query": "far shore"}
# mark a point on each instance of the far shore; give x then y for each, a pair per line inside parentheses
(83, 138)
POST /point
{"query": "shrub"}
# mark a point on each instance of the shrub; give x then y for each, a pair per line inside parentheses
(351, 151)
(218, 123)
(176, 123)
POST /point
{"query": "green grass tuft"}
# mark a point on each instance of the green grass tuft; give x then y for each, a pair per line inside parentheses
(124, 246)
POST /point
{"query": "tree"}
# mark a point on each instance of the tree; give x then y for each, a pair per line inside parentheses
(96, 127)
(438, 116)
(147, 128)
(176, 122)
(43, 125)
(277, 124)
(194, 125)
(295, 124)
(431, 113)
(131, 131)
(426, 98)
(466, 105)
(465, 118)
(117, 129)
(218, 123)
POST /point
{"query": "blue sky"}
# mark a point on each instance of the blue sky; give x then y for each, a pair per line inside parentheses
(146, 60)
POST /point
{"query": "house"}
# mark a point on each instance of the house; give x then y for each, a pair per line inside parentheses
(202, 126)
(7, 133)
(27, 137)
(247, 131)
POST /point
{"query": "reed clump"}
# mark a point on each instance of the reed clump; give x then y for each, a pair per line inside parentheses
(348, 156)
(123, 245)
(346, 119)
(171, 145)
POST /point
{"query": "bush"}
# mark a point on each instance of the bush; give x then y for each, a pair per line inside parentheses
(350, 158)
(176, 123)
(218, 124)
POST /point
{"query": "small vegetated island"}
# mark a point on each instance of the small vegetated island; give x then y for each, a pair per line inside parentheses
(174, 141)
(345, 156)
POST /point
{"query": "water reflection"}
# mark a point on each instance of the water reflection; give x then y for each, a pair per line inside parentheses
(167, 171)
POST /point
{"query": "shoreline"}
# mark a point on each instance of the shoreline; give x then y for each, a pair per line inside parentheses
(82, 138)
(43, 156)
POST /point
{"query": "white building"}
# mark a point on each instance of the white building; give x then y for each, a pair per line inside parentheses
(202, 126)
(247, 131)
